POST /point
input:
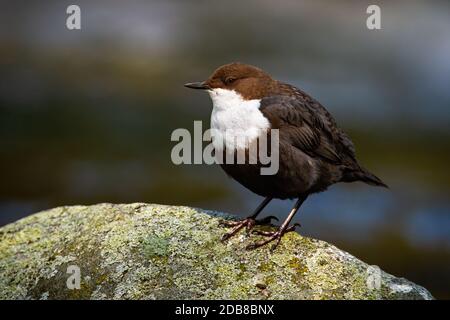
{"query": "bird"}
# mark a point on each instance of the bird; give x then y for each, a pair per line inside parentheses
(313, 152)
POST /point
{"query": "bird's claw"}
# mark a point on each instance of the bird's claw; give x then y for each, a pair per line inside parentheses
(273, 235)
(248, 223)
(226, 236)
(237, 225)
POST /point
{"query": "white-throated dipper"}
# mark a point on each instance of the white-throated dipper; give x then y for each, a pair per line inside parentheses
(313, 152)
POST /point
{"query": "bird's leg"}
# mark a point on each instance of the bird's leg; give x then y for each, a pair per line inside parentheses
(277, 235)
(248, 222)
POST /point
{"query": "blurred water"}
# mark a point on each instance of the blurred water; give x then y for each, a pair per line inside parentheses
(86, 117)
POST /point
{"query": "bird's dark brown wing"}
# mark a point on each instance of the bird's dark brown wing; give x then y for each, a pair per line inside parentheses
(328, 120)
(309, 127)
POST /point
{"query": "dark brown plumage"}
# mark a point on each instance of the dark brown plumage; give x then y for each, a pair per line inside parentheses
(314, 152)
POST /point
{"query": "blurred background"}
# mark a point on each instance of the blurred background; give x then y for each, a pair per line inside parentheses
(86, 116)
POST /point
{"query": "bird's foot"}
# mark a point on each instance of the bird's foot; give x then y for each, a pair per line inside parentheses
(248, 223)
(272, 236)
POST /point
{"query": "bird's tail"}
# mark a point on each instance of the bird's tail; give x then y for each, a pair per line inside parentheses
(363, 175)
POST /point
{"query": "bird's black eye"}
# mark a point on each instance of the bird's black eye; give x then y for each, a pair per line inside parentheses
(229, 80)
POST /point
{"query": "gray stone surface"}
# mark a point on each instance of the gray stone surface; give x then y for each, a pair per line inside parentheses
(146, 251)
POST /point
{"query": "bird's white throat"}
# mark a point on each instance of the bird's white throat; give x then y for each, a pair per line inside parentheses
(235, 122)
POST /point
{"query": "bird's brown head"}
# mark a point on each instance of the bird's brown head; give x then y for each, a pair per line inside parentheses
(249, 81)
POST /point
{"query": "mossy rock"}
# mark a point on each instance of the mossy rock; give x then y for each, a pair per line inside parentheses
(145, 251)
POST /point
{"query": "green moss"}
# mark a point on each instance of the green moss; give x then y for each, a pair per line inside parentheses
(155, 246)
(265, 266)
(141, 251)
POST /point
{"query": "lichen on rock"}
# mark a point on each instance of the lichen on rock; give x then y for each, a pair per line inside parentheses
(146, 251)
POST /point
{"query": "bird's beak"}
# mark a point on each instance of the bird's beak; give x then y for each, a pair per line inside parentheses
(197, 85)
